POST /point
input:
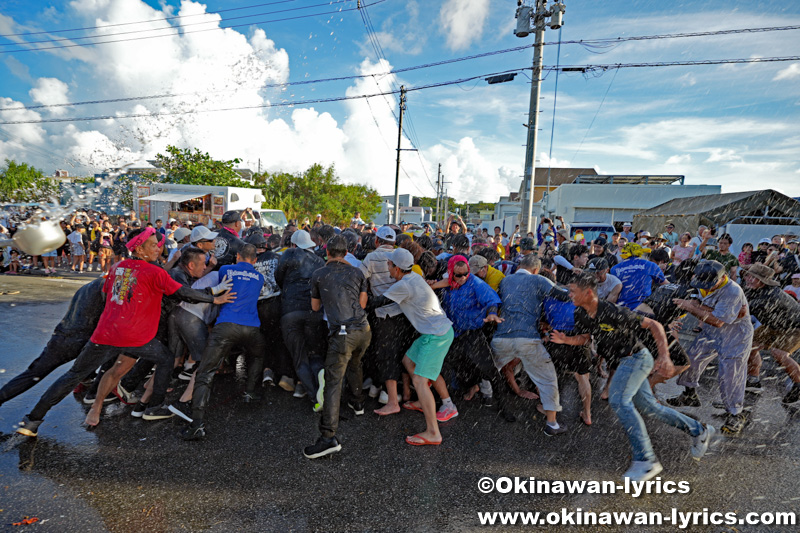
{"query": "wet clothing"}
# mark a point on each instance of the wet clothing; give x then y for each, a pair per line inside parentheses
(376, 269)
(774, 308)
(339, 287)
(293, 275)
(468, 305)
(84, 311)
(420, 305)
(247, 284)
(266, 265)
(731, 343)
(637, 276)
(134, 290)
(226, 245)
(522, 296)
(613, 328)
(342, 363)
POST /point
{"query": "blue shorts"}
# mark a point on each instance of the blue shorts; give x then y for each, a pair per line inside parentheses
(428, 354)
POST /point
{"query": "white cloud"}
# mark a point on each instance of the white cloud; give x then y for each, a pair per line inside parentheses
(463, 21)
(789, 73)
(50, 91)
(717, 155)
(679, 159)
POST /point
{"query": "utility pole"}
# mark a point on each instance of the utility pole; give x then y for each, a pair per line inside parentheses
(539, 16)
(397, 169)
(446, 206)
(438, 193)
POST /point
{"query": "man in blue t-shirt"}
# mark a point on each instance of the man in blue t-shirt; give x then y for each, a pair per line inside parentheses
(637, 276)
(237, 325)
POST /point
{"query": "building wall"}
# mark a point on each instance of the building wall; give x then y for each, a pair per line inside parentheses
(616, 203)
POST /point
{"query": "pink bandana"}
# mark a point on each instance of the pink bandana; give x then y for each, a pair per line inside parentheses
(139, 239)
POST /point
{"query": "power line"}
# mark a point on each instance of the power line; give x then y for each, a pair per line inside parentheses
(341, 10)
(100, 26)
(176, 30)
(419, 88)
(272, 85)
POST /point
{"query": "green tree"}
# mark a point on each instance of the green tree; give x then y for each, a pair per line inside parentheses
(198, 168)
(20, 182)
(317, 190)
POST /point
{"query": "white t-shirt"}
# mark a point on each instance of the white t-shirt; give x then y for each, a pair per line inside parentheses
(605, 288)
(420, 304)
(794, 290)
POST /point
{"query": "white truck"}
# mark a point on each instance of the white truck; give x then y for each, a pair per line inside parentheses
(203, 204)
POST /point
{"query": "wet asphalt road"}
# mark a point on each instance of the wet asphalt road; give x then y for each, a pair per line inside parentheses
(250, 475)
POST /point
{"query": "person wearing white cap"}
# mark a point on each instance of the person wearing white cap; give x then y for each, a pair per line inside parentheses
(626, 232)
(203, 238)
(303, 329)
(181, 237)
(393, 332)
(423, 359)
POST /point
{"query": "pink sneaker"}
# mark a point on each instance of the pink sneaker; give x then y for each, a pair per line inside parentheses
(446, 413)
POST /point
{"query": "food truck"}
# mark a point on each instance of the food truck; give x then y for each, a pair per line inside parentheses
(200, 204)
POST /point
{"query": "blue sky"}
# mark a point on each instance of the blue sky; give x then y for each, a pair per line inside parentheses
(733, 125)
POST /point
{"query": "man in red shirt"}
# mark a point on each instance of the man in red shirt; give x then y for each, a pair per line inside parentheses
(128, 325)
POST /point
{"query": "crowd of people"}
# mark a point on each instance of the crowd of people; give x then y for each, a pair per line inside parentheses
(408, 314)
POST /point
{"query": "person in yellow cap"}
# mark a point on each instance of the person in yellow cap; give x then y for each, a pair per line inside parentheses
(637, 275)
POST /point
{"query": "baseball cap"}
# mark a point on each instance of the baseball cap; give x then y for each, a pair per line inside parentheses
(796, 276)
(477, 262)
(628, 224)
(387, 234)
(527, 243)
(302, 239)
(257, 240)
(600, 241)
(229, 217)
(201, 233)
(765, 241)
(645, 234)
(438, 244)
(598, 263)
(793, 241)
(402, 258)
(181, 233)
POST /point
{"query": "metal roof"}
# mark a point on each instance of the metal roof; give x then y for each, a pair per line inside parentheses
(629, 180)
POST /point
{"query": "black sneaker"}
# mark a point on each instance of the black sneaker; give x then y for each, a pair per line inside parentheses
(187, 373)
(182, 409)
(734, 423)
(358, 407)
(322, 447)
(753, 387)
(91, 396)
(28, 427)
(793, 395)
(157, 412)
(552, 432)
(193, 432)
(488, 401)
(718, 404)
(685, 400)
(139, 410)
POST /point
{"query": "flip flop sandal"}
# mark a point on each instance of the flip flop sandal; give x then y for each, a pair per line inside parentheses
(411, 407)
(416, 440)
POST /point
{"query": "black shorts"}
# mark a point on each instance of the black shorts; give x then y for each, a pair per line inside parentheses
(567, 358)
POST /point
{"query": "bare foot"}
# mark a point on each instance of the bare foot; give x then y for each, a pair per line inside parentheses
(528, 395)
(540, 408)
(472, 392)
(587, 418)
(92, 419)
(423, 438)
(604, 395)
(387, 410)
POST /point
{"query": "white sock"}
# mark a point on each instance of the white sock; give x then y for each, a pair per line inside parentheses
(553, 425)
(448, 402)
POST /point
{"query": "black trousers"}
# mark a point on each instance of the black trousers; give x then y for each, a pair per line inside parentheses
(223, 338)
(92, 356)
(393, 337)
(470, 357)
(304, 333)
(343, 361)
(276, 356)
(59, 350)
